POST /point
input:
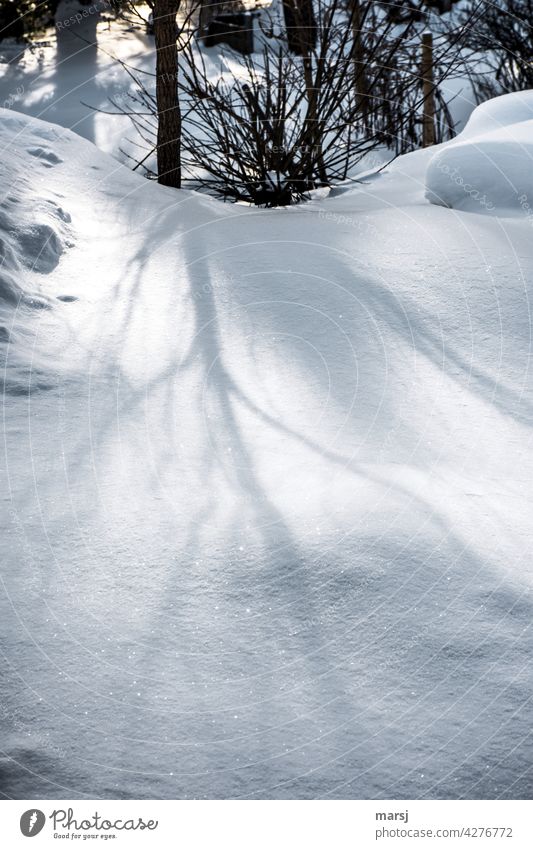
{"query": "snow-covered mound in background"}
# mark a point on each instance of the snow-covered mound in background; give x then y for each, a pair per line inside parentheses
(34, 226)
(489, 166)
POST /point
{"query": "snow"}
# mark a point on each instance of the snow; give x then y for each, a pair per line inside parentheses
(66, 78)
(34, 228)
(488, 166)
(265, 528)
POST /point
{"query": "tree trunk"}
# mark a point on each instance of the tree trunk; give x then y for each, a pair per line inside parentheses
(361, 82)
(313, 127)
(300, 26)
(428, 89)
(208, 10)
(168, 108)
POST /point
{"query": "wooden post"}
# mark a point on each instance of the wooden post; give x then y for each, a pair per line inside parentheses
(428, 90)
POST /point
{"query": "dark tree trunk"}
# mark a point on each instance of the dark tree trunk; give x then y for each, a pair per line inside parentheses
(301, 28)
(208, 10)
(300, 24)
(428, 88)
(168, 108)
(361, 82)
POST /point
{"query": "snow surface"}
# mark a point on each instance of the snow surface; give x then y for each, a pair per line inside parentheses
(266, 522)
(72, 73)
(489, 166)
(33, 229)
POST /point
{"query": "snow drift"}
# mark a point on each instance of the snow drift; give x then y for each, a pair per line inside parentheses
(489, 166)
(268, 531)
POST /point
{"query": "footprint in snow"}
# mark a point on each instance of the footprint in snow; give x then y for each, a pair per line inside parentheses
(48, 157)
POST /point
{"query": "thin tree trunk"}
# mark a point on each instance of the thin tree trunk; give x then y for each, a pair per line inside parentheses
(301, 29)
(313, 131)
(428, 89)
(361, 83)
(168, 107)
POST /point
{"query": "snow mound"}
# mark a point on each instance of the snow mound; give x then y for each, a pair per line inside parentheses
(34, 227)
(500, 112)
(489, 167)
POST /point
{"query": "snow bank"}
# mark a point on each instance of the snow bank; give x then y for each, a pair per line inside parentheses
(34, 227)
(270, 501)
(489, 166)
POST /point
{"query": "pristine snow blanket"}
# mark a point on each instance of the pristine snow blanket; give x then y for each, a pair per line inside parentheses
(489, 166)
(266, 481)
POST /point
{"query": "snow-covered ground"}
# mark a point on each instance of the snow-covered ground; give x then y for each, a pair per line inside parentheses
(73, 72)
(266, 517)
